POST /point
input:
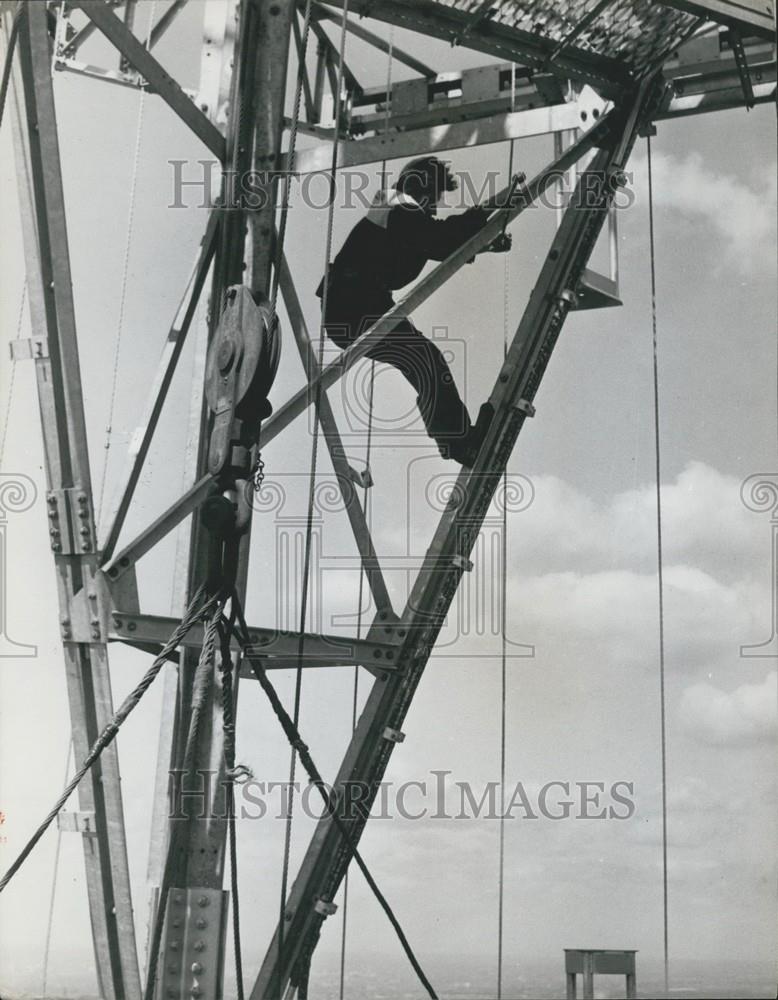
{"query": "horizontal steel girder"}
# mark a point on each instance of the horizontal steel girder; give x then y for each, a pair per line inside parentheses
(278, 649)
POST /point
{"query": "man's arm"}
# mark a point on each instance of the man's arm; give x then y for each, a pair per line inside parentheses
(437, 238)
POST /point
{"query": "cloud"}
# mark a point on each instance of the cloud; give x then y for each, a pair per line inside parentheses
(744, 717)
(704, 522)
(742, 216)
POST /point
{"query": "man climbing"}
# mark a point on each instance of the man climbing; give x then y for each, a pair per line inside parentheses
(386, 250)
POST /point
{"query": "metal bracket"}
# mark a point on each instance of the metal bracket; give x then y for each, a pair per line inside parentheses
(525, 407)
(325, 907)
(363, 478)
(77, 822)
(736, 44)
(192, 955)
(461, 562)
(30, 349)
(70, 521)
(394, 735)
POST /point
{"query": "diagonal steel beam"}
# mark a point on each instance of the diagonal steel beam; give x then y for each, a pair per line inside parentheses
(368, 754)
(379, 43)
(165, 21)
(354, 510)
(171, 352)
(352, 84)
(159, 79)
(329, 375)
(303, 69)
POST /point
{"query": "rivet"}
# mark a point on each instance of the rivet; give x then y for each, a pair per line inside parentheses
(201, 923)
(203, 901)
(174, 945)
(199, 946)
(197, 968)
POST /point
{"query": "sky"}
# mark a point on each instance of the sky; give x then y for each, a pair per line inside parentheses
(581, 560)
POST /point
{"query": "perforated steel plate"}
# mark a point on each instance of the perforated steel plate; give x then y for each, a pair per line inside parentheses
(637, 33)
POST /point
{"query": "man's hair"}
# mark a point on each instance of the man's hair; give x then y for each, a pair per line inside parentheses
(426, 179)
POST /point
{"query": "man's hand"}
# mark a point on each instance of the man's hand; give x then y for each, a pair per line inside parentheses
(500, 244)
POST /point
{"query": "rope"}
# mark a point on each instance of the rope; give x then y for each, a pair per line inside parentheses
(290, 157)
(366, 506)
(503, 637)
(108, 734)
(200, 688)
(125, 272)
(9, 56)
(295, 739)
(311, 490)
(13, 377)
(660, 575)
(228, 723)
(50, 920)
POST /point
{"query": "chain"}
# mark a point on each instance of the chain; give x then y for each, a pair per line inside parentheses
(258, 472)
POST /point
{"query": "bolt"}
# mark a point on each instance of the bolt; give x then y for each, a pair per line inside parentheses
(56, 547)
(195, 991)
(201, 923)
(203, 901)
(54, 532)
(82, 498)
(199, 946)
(196, 968)
(86, 545)
(83, 531)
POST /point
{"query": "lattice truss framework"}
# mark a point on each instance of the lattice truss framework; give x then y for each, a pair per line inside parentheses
(585, 69)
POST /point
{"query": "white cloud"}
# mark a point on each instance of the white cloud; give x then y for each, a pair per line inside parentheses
(743, 216)
(746, 716)
(704, 523)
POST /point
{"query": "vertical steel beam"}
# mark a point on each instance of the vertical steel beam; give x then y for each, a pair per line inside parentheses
(254, 140)
(83, 607)
(368, 754)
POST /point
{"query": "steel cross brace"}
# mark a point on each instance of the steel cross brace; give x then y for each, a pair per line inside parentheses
(368, 754)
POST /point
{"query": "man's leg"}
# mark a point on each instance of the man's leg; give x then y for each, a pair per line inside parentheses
(422, 363)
